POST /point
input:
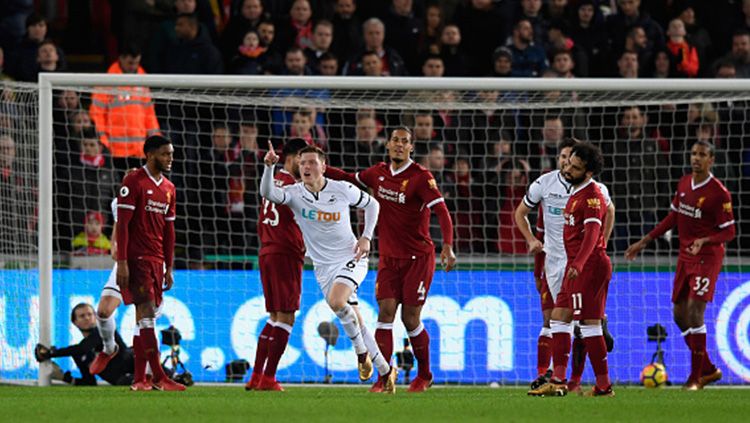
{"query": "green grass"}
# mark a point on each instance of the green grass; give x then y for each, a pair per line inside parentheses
(114, 404)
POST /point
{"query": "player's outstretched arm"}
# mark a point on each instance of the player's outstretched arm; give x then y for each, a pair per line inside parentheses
(341, 175)
(521, 217)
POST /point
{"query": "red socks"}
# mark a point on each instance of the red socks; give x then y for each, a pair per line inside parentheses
(578, 360)
(384, 338)
(700, 363)
(139, 357)
(277, 342)
(597, 350)
(261, 352)
(151, 352)
(543, 353)
(560, 355)
(420, 343)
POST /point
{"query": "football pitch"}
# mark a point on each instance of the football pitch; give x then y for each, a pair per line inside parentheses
(347, 404)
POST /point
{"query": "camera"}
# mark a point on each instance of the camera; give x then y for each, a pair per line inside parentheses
(171, 336)
(656, 333)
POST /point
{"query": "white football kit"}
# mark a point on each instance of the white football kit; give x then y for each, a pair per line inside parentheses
(551, 193)
(111, 289)
(323, 218)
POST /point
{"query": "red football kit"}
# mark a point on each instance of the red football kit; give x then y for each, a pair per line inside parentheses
(584, 215)
(282, 252)
(145, 233)
(702, 210)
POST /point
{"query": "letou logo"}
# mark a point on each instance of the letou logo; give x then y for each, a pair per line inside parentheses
(321, 216)
(734, 343)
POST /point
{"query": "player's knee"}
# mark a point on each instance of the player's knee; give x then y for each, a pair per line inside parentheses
(335, 303)
(411, 322)
(286, 318)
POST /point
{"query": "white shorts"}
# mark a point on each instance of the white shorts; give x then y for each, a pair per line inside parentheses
(350, 272)
(554, 271)
(111, 289)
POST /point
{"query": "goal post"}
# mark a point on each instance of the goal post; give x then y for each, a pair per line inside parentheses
(492, 296)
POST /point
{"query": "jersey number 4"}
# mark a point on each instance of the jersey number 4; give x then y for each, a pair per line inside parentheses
(272, 215)
(421, 291)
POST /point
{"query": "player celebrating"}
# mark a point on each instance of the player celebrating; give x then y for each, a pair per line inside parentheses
(588, 271)
(145, 253)
(407, 192)
(551, 193)
(281, 260)
(702, 211)
(321, 208)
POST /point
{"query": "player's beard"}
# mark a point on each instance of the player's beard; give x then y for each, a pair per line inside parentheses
(575, 181)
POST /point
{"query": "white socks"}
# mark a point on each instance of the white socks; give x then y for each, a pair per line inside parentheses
(348, 319)
(372, 347)
(107, 332)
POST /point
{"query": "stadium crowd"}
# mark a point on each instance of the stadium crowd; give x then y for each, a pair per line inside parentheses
(483, 159)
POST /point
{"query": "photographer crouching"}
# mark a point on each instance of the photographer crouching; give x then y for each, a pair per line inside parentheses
(119, 370)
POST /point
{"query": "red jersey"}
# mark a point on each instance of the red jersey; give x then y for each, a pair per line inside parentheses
(405, 198)
(585, 205)
(279, 233)
(153, 204)
(701, 210)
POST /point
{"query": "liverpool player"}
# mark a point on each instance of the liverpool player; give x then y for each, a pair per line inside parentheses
(407, 192)
(281, 259)
(702, 211)
(145, 241)
(321, 208)
(588, 271)
(551, 192)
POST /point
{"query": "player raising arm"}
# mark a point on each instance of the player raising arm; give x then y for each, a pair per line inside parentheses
(702, 211)
(321, 209)
(145, 253)
(407, 193)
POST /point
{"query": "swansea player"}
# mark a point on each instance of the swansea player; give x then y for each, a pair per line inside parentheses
(321, 209)
(145, 253)
(281, 259)
(407, 193)
(588, 270)
(702, 211)
(550, 192)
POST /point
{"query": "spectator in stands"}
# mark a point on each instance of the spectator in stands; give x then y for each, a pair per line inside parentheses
(726, 69)
(514, 177)
(165, 35)
(304, 126)
(368, 147)
(455, 61)
(483, 28)
(124, 123)
(322, 39)
(23, 63)
(92, 241)
(636, 175)
(244, 174)
(662, 67)
(348, 29)
(192, 52)
(684, 55)
(372, 65)
(374, 35)
(16, 217)
(627, 65)
(433, 67)
(250, 15)
(466, 205)
(432, 31)
(558, 40)
(531, 10)
(563, 64)
(529, 60)
(553, 133)
(502, 61)
(274, 60)
(556, 9)
(79, 120)
(404, 31)
(119, 371)
(296, 29)
(47, 60)
(328, 65)
(628, 16)
(295, 63)
(697, 36)
(92, 169)
(589, 32)
(636, 42)
(250, 57)
(740, 54)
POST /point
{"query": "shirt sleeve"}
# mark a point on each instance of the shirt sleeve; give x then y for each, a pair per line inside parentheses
(725, 217)
(127, 198)
(172, 212)
(592, 212)
(534, 194)
(605, 193)
(428, 191)
(366, 178)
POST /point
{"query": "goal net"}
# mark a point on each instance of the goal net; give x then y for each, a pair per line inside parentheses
(484, 141)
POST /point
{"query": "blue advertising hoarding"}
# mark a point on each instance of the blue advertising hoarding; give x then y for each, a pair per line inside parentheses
(483, 325)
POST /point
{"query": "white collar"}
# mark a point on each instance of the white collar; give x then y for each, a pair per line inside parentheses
(695, 187)
(152, 178)
(403, 168)
(581, 187)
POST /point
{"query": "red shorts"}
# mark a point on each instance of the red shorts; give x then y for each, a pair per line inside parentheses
(587, 294)
(696, 280)
(146, 282)
(281, 275)
(406, 280)
(548, 303)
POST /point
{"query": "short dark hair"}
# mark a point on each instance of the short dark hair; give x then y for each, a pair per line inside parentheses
(741, 32)
(89, 133)
(405, 129)
(191, 17)
(129, 49)
(155, 142)
(568, 142)
(78, 306)
(293, 146)
(313, 149)
(294, 49)
(432, 56)
(708, 145)
(589, 154)
(34, 19)
(327, 56)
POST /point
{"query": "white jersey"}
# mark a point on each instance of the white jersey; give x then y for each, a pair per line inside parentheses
(551, 192)
(323, 217)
